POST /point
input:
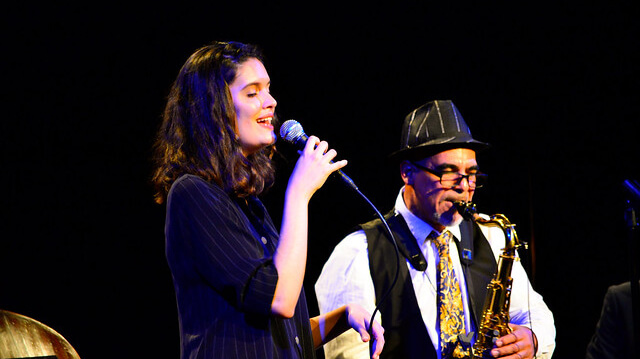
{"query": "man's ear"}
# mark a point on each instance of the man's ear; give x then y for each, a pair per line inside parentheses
(407, 171)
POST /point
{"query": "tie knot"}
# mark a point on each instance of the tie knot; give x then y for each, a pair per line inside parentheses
(442, 240)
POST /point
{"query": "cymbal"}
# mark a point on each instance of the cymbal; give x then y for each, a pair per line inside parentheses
(24, 337)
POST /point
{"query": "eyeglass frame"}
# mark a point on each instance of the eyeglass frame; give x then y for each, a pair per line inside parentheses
(458, 181)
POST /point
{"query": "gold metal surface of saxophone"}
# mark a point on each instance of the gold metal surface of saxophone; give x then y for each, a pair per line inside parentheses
(495, 313)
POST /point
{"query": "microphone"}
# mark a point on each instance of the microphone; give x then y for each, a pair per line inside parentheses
(292, 132)
(633, 189)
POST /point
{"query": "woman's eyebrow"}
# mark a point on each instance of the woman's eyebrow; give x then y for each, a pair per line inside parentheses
(257, 83)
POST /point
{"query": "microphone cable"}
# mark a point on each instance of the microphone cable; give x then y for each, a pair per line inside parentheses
(395, 246)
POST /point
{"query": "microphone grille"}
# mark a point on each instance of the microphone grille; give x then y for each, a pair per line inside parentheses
(291, 131)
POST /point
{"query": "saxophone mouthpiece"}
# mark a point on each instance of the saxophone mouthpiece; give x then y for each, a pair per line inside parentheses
(466, 209)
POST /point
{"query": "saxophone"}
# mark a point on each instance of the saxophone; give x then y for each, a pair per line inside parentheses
(495, 313)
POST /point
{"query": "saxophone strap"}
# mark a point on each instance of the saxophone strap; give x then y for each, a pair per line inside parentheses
(407, 243)
(466, 242)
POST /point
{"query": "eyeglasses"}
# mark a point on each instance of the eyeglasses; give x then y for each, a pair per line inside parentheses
(449, 179)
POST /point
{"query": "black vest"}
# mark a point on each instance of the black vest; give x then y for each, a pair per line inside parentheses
(405, 333)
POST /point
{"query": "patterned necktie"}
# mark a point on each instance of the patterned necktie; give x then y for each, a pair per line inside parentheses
(450, 308)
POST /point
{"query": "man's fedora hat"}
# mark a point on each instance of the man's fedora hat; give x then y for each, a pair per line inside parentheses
(432, 128)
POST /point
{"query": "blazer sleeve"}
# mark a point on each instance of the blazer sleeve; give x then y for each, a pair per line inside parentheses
(210, 239)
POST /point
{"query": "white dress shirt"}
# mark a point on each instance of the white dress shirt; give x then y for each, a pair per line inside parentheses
(346, 278)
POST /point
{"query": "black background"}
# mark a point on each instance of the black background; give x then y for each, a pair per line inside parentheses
(552, 87)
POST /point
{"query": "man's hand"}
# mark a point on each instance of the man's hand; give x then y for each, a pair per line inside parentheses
(519, 344)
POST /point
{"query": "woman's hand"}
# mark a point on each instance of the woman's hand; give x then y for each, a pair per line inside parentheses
(313, 167)
(359, 319)
(328, 326)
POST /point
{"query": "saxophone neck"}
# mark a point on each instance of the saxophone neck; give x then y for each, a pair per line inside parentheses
(468, 211)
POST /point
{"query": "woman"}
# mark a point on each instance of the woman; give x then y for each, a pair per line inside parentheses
(238, 281)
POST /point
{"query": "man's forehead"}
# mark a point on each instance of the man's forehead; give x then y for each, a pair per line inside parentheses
(454, 156)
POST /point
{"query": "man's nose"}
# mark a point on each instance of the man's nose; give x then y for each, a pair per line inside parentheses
(463, 185)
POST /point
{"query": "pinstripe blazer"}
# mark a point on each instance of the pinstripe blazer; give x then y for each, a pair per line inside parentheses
(220, 252)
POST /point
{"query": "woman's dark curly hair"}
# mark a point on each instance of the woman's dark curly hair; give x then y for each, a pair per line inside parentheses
(198, 134)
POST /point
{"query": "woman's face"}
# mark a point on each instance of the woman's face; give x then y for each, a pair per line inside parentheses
(254, 106)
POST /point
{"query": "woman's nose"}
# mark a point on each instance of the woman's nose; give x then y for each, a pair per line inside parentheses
(269, 101)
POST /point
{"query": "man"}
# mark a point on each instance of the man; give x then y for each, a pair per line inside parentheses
(437, 162)
(614, 333)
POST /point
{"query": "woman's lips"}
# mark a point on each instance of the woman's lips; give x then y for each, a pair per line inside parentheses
(266, 122)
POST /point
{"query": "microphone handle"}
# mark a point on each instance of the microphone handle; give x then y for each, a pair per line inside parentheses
(347, 179)
(301, 142)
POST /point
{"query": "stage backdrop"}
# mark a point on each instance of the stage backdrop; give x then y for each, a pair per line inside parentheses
(552, 88)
